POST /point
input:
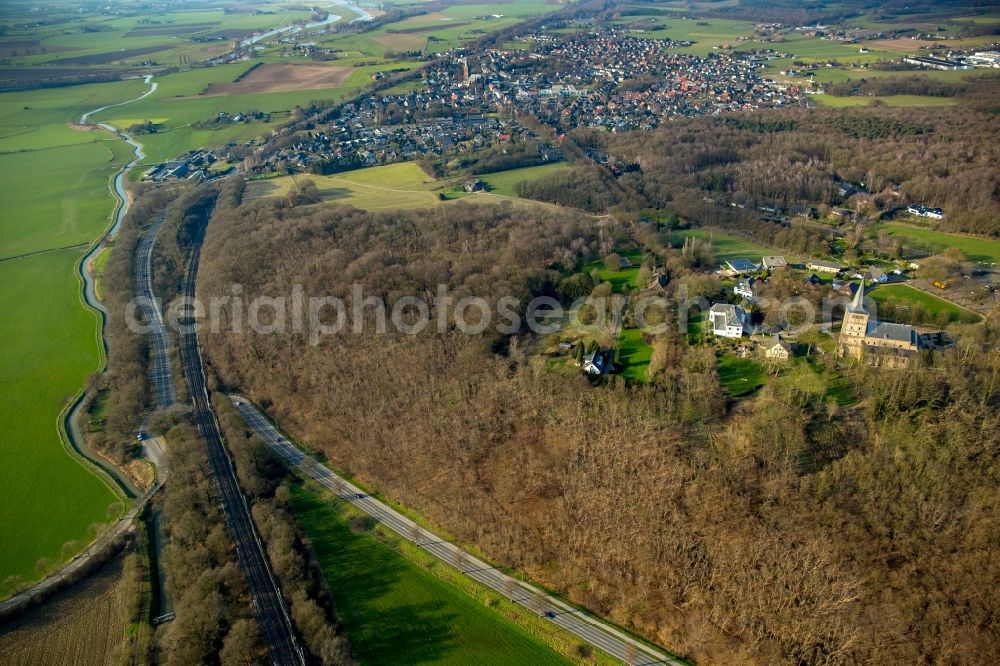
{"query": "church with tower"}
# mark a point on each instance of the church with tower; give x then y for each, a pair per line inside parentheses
(883, 343)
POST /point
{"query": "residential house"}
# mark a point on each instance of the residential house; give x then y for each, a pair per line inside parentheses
(745, 288)
(774, 263)
(877, 275)
(473, 185)
(658, 281)
(775, 348)
(596, 363)
(728, 321)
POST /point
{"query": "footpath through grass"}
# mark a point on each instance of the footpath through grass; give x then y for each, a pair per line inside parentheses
(396, 609)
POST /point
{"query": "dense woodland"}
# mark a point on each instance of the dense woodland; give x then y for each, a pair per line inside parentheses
(786, 528)
(704, 169)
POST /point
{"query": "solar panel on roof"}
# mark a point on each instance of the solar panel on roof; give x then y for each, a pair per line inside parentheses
(741, 265)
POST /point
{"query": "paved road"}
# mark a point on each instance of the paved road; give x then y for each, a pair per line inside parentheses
(149, 306)
(268, 603)
(565, 616)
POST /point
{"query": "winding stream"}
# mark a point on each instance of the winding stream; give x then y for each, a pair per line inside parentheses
(74, 431)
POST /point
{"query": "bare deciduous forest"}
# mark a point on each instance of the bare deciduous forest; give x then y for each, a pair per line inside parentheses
(780, 529)
(696, 167)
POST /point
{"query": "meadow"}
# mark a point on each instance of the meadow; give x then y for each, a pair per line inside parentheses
(977, 249)
(888, 100)
(902, 294)
(55, 188)
(621, 278)
(401, 185)
(167, 37)
(438, 31)
(394, 606)
(505, 183)
(50, 347)
(725, 245)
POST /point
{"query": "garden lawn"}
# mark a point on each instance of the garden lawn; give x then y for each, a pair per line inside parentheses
(977, 249)
(740, 376)
(634, 354)
(48, 497)
(395, 611)
(905, 294)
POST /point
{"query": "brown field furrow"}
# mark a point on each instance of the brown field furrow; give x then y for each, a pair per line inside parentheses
(281, 78)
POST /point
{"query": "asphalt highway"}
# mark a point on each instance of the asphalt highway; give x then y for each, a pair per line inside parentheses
(571, 619)
(271, 612)
(149, 306)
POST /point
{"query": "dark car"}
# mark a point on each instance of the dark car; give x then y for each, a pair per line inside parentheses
(550, 614)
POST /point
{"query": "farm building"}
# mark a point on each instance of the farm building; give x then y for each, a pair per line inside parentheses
(824, 266)
(741, 265)
(773, 263)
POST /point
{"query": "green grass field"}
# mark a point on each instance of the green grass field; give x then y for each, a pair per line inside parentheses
(907, 295)
(976, 249)
(50, 347)
(403, 185)
(634, 354)
(888, 100)
(725, 245)
(55, 190)
(740, 376)
(101, 34)
(394, 186)
(505, 183)
(395, 609)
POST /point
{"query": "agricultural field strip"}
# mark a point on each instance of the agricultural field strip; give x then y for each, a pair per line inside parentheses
(571, 619)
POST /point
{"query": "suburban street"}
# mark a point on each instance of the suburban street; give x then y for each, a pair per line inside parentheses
(573, 620)
(276, 626)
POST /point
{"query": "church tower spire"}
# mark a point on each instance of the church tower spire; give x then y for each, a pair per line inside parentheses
(855, 326)
(858, 304)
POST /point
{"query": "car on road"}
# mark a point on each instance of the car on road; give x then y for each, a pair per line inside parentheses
(141, 436)
(549, 614)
